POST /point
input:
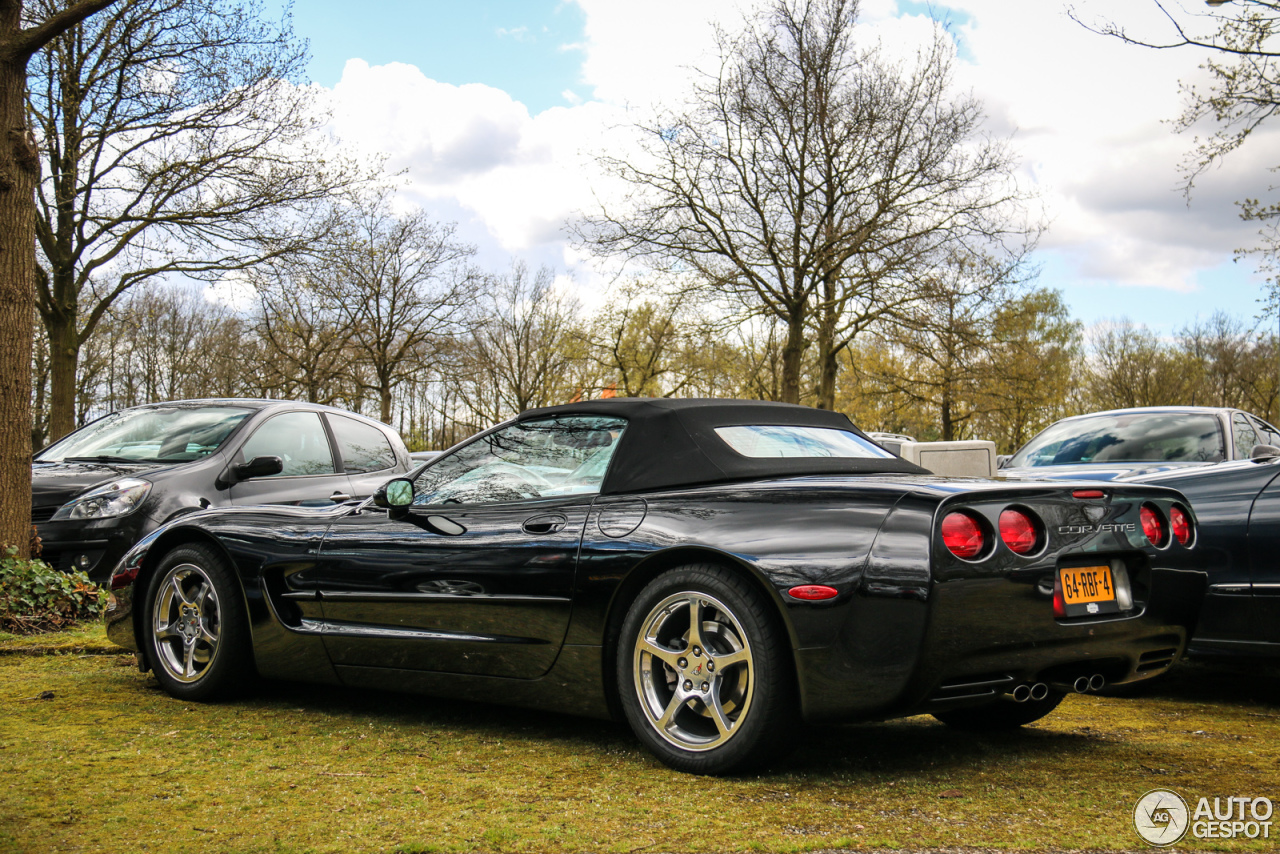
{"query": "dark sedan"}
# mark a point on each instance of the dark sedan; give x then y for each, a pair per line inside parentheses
(1238, 508)
(711, 571)
(99, 490)
(1143, 440)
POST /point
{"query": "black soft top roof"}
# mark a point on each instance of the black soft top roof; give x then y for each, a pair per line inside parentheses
(672, 442)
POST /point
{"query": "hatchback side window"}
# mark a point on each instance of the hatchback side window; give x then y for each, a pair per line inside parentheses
(1267, 434)
(297, 438)
(1245, 437)
(364, 448)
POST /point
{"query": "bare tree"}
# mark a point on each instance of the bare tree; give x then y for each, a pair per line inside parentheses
(1130, 366)
(522, 346)
(945, 341)
(647, 340)
(21, 36)
(178, 140)
(809, 178)
(304, 334)
(400, 283)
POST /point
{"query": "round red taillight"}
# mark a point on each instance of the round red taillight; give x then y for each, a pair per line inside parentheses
(1181, 524)
(1152, 524)
(963, 535)
(1019, 532)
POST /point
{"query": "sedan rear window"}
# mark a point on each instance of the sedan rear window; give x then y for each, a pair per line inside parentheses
(1145, 437)
(767, 440)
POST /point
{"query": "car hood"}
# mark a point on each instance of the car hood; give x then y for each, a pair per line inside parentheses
(59, 482)
(1092, 471)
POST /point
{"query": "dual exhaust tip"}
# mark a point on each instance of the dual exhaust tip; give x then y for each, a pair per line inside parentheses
(1039, 690)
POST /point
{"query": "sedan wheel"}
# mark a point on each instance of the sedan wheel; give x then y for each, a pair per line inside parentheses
(196, 632)
(701, 670)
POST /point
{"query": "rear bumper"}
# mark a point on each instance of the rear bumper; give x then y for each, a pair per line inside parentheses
(973, 639)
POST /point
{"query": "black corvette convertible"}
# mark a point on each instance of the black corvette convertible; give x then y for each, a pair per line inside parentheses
(713, 571)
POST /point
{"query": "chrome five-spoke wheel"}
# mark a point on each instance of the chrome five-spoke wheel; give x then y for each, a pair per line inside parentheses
(186, 621)
(704, 673)
(197, 632)
(693, 670)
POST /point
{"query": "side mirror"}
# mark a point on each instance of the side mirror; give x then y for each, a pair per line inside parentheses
(1002, 460)
(395, 495)
(1264, 452)
(258, 467)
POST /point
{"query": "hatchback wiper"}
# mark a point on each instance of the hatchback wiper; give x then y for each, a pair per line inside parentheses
(104, 458)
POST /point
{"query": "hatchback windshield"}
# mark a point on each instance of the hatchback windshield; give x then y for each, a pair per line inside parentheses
(1138, 438)
(170, 434)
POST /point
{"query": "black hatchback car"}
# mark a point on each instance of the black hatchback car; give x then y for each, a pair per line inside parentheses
(97, 491)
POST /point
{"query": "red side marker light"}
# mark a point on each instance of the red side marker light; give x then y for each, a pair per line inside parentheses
(1181, 524)
(1018, 531)
(813, 592)
(1152, 524)
(1088, 493)
(963, 535)
(1059, 603)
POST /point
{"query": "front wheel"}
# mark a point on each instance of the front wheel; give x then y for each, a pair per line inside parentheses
(196, 630)
(702, 672)
(1001, 715)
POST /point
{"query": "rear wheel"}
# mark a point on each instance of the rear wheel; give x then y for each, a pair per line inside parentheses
(1001, 715)
(702, 672)
(196, 630)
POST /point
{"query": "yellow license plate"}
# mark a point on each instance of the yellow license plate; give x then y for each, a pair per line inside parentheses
(1083, 584)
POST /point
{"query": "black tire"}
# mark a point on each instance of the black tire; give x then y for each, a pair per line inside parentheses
(195, 627)
(1001, 715)
(732, 673)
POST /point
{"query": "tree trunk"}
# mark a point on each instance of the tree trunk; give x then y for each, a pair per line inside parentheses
(384, 395)
(19, 171)
(793, 356)
(64, 359)
(828, 362)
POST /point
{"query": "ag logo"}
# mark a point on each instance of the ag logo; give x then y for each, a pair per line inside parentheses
(1161, 817)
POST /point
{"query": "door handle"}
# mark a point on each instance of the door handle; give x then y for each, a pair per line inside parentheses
(339, 497)
(543, 524)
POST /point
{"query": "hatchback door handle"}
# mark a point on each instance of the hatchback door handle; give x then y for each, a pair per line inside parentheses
(543, 524)
(339, 497)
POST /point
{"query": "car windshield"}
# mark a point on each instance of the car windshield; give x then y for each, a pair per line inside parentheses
(170, 434)
(1146, 437)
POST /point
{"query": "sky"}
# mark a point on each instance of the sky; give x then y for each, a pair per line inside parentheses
(492, 110)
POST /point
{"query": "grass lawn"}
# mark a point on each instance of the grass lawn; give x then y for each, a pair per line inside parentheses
(96, 758)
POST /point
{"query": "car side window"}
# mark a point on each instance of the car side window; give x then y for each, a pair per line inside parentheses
(527, 461)
(297, 438)
(1245, 436)
(1267, 434)
(364, 448)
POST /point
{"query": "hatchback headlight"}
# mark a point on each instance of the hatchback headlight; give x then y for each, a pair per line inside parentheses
(119, 498)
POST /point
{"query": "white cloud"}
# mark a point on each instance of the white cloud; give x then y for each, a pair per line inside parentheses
(1092, 119)
(1088, 114)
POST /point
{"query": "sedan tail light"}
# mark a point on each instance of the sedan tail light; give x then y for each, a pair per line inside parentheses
(1019, 531)
(1181, 524)
(1152, 524)
(963, 535)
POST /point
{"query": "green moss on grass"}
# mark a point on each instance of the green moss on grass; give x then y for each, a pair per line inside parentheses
(112, 764)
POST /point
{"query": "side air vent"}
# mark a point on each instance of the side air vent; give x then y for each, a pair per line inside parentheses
(1156, 659)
